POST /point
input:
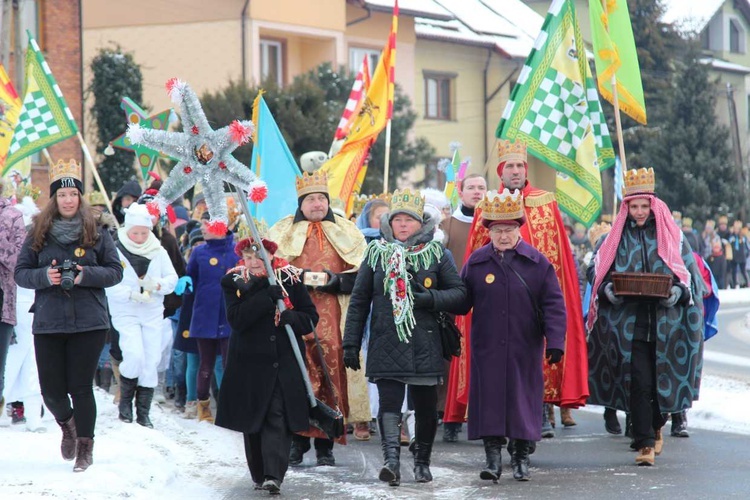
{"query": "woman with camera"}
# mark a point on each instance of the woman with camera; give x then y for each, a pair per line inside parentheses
(406, 277)
(69, 261)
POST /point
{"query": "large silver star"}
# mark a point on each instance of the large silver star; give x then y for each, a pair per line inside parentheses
(204, 154)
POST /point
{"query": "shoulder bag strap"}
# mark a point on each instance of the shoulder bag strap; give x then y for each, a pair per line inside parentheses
(537, 311)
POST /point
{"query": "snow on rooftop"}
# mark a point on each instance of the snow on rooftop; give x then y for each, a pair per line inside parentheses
(690, 15)
(521, 15)
(424, 8)
(481, 19)
(725, 65)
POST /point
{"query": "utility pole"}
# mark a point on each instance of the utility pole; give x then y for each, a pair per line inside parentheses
(736, 147)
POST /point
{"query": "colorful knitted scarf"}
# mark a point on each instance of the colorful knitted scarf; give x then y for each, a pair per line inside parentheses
(394, 259)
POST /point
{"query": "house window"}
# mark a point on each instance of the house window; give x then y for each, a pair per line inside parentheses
(356, 55)
(438, 95)
(271, 61)
(736, 37)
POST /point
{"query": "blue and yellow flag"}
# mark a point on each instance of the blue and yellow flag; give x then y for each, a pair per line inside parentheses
(273, 162)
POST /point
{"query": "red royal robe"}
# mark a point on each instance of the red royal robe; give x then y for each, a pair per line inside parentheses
(566, 383)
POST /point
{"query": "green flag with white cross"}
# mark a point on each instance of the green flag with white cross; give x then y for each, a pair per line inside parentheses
(554, 108)
(45, 118)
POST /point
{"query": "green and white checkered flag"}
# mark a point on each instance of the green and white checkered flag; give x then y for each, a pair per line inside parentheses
(555, 109)
(45, 118)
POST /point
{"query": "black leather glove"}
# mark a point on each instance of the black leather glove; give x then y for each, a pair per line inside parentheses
(351, 358)
(286, 317)
(252, 285)
(275, 292)
(553, 356)
(423, 298)
(332, 285)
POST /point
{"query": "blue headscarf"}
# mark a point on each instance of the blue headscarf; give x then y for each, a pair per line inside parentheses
(363, 220)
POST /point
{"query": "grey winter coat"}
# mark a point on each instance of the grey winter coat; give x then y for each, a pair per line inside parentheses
(389, 357)
(84, 307)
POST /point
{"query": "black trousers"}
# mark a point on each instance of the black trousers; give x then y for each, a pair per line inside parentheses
(391, 397)
(267, 451)
(67, 363)
(645, 414)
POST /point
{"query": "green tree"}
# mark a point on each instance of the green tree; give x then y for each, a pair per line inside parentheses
(307, 112)
(695, 173)
(115, 75)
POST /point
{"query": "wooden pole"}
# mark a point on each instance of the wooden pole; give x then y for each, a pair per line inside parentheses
(386, 163)
(618, 124)
(92, 167)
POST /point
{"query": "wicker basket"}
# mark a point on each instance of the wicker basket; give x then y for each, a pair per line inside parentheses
(642, 285)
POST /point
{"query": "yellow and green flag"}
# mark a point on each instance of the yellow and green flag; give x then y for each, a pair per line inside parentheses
(554, 108)
(615, 55)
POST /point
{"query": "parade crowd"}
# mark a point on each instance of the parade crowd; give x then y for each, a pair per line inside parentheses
(406, 317)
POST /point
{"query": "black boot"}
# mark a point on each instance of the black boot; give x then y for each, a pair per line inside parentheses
(143, 398)
(679, 425)
(611, 424)
(493, 447)
(450, 431)
(390, 441)
(324, 452)
(520, 460)
(69, 438)
(127, 391)
(300, 446)
(426, 427)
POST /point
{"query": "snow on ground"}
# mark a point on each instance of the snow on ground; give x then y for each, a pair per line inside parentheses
(177, 459)
(734, 297)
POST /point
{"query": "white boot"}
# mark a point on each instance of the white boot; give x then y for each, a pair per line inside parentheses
(191, 410)
(33, 414)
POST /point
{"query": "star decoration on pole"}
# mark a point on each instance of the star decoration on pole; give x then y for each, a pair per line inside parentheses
(136, 115)
(204, 156)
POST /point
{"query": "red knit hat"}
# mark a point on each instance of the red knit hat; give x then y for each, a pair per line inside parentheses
(244, 243)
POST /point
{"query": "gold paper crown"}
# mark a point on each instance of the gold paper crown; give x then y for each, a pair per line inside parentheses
(597, 230)
(70, 169)
(315, 182)
(639, 181)
(409, 202)
(687, 221)
(508, 151)
(359, 203)
(95, 198)
(502, 206)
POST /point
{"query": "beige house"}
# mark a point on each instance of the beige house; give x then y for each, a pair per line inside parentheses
(456, 59)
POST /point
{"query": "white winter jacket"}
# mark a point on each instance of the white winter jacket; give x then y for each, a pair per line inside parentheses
(160, 270)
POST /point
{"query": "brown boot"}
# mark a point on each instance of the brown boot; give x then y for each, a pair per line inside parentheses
(68, 444)
(566, 418)
(85, 454)
(204, 411)
(645, 456)
(659, 443)
(116, 372)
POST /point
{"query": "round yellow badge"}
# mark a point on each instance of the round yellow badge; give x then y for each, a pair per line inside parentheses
(427, 282)
(213, 261)
(490, 278)
(122, 263)
(239, 294)
(79, 252)
(185, 334)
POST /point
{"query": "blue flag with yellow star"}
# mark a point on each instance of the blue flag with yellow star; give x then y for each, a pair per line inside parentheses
(273, 162)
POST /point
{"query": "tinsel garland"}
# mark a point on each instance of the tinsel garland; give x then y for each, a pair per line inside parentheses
(394, 260)
(205, 156)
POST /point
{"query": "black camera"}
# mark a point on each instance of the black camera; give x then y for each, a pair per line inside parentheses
(68, 272)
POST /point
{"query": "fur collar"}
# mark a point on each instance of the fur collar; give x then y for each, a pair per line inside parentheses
(424, 235)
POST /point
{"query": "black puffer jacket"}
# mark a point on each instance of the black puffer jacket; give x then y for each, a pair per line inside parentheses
(84, 307)
(387, 355)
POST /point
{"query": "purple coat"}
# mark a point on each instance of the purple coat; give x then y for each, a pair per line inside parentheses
(506, 382)
(12, 234)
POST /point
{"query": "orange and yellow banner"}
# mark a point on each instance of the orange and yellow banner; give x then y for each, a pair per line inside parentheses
(10, 108)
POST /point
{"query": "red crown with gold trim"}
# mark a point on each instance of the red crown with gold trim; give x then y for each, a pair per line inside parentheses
(315, 182)
(511, 151)
(641, 181)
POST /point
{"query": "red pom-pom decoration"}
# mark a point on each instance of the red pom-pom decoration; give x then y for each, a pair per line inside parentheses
(174, 89)
(239, 133)
(222, 165)
(258, 192)
(187, 169)
(217, 227)
(153, 209)
(195, 130)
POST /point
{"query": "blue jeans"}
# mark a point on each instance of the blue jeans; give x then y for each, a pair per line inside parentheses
(191, 373)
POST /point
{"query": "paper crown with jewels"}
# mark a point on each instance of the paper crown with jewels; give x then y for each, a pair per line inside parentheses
(315, 182)
(64, 175)
(502, 207)
(511, 151)
(95, 198)
(640, 181)
(597, 230)
(407, 202)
